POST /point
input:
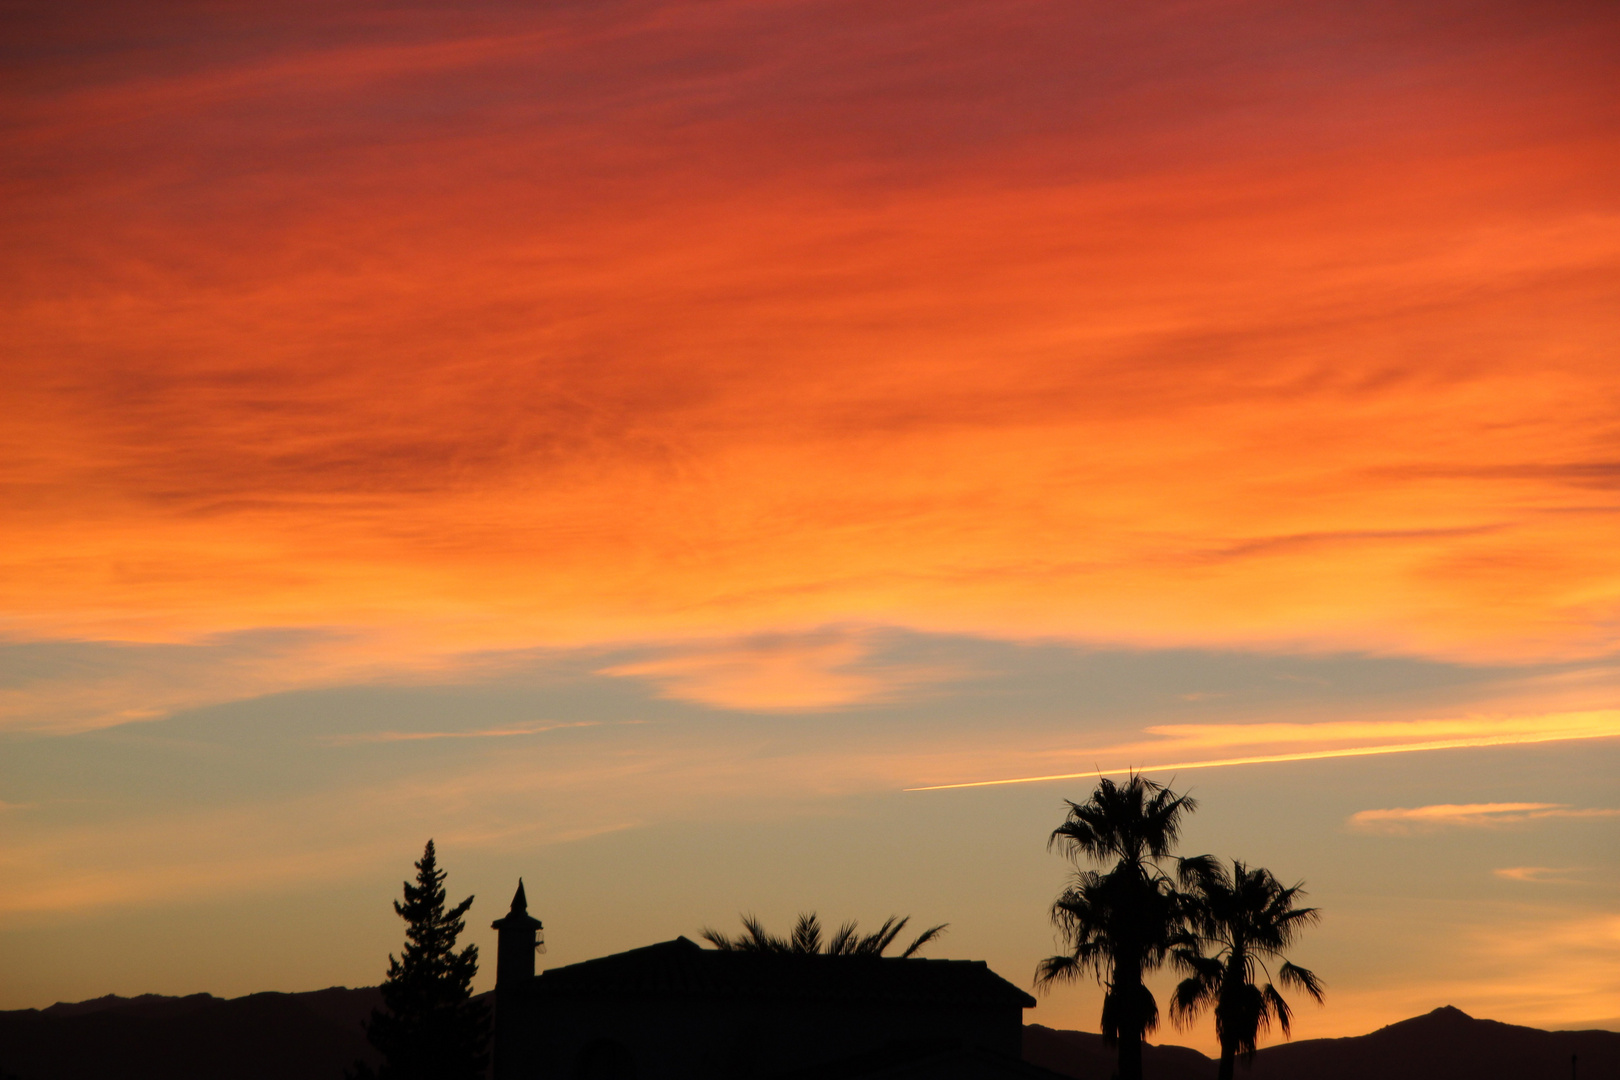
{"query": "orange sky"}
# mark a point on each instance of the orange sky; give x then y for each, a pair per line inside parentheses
(381, 345)
(1221, 323)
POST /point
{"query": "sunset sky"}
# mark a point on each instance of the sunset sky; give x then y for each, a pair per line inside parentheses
(691, 454)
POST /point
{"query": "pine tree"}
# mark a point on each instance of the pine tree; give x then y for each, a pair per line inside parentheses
(429, 1027)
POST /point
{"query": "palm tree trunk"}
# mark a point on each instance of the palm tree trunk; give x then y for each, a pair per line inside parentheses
(1132, 1023)
(1228, 1057)
(1130, 1055)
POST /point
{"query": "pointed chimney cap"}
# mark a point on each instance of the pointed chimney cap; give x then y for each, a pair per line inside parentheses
(518, 918)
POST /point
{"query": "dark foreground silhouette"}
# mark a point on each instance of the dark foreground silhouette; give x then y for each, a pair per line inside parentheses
(430, 1026)
(315, 1035)
(1446, 1044)
(201, 1037)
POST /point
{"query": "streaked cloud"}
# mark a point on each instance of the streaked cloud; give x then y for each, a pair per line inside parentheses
(65, 686)
(554, 326)
(1546, 874)
(798, 672)
(1593, 724)
(417, 736)
(1417, 818)
(165, 856)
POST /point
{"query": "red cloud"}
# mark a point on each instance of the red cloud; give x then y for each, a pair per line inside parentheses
(1238, 322)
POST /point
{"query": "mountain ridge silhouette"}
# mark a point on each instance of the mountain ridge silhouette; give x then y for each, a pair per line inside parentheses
(314, 1035)
(264, 1036)
(1444, 1044)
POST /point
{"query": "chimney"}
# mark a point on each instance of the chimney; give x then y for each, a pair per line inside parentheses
(519, 937)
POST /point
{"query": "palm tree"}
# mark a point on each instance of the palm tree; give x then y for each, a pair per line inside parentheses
(1247, 918)
(1118, 929)
(1121, 924)
(806, 938)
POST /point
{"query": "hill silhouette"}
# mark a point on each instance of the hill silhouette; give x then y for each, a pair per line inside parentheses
(200, 1037)
(313, 1036)
(1446, 1044)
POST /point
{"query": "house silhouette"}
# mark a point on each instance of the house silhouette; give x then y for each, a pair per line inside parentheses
(676, 1011)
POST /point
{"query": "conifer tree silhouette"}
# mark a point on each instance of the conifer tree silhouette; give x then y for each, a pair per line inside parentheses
(429, 1027)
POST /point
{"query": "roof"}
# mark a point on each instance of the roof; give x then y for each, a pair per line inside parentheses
(681, 968)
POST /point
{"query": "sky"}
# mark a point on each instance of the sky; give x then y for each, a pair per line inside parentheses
(731, 457)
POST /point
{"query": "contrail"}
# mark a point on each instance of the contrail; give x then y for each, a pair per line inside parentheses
(1305, 755)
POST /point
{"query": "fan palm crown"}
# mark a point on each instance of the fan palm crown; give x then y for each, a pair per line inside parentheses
(1131, 824)
(1245, 918)
(1119, 924)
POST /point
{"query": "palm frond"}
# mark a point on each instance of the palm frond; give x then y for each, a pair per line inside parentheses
(755, 938)
(717, 939)
(875, 943)
(844, 940)
(1057, 969)
(1193, 870)
(931, 934)
(1239, 1016)
(1306, 980)
(759, 939)
(1279, 1008)
(1197, 965)
(807, 938)
(806, 934)
(1136, 1006)
(1192, 995)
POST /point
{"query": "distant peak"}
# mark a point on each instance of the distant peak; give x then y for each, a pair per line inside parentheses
(1450, 1012)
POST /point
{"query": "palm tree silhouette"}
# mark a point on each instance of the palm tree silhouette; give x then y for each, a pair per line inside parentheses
(1246, 917)
(1119, 925)
(806, 938)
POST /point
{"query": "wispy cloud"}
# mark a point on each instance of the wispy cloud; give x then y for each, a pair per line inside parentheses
(1419, 818)
(915, 348)
(1593, 724)
(486, 733)
(168, 856)
(827, 669)
(64, 686)
(1546, 874)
